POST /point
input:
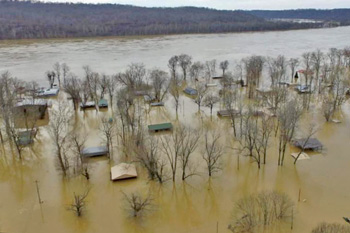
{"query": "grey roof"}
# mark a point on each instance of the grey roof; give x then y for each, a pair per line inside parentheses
(311, 144)
(190, 91)
(157, 104)
(94, 151)
(26, 102)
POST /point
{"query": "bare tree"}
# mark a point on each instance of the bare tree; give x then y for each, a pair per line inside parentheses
(328, 106)
(224, 66)
(65, 71)
(111, 88)
(174, 90)
(316, 60)
(171, 147)
(331, 228)
(185, 62)
(253, 70)
(59, 132)
(213, 151)
(210, 100)
(137, 203)
(160, 83)
(210, 68)
(149, 156)
(311, 131)
(262, 209)
(201, 92)
(288, 116)
(73, 87)
(133, 76)
(79, 203)
(51, 75)
(189, 142)
(57, 70)
(77, 144)
(196, 71)
(173, 64)
(108, 130)
(293, 64)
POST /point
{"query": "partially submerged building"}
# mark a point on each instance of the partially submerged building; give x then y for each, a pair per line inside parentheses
(228, 113)
(48, 92)
(190, 91)
(123, 171)
(103, 103)
(88, 104)
(94, 151)
(157, 104)
(160, 127)
(308, 144)
(33, 108)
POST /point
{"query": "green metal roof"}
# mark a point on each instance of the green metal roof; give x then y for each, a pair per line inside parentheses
(162, 126)
(103, 103)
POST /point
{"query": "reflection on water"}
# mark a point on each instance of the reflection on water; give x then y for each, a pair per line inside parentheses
(197, 205)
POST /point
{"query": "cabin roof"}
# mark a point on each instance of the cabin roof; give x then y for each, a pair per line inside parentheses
(311, 144)
(94, 151)
(102, 102)
(32, 102)
(123, 171)
(163, 126)
(190, 91)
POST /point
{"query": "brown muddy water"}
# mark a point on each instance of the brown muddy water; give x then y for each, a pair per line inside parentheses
(199, 205)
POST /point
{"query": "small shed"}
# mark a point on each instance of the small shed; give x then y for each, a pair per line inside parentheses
(94, 151)
(103, 103)
(303, 89)
(26, 137)
(157, 104)
(123, 171)
(88, 104)
(49, 92)
(160, 127)
(31, 107)
(149, 98)
(190, 91)
(228, 113)
(302, 156)
(311, 144)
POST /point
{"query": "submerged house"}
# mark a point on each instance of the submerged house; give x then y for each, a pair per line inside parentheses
(49, 92)
(160, 127)
(190, 91)
(123, 171)
(94, 151)
(308, 144)
(157, 104)
(228, 113)
(25, 138)
(103, 103)
(34, 108)
(88, 104)
(303, 89)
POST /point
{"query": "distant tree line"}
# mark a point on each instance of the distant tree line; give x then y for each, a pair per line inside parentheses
(339, 15)
(27, 19)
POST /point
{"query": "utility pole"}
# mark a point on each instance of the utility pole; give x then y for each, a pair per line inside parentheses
(38, 192)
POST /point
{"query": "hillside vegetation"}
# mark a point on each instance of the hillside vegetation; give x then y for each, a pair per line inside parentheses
(26, 19)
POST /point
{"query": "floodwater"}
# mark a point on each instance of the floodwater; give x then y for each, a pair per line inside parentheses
(199, 205)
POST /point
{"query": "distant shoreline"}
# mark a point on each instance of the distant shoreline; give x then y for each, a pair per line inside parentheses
(130, 37)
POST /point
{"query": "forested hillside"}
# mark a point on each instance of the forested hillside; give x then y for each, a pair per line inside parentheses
(340, 15)
(25, 19)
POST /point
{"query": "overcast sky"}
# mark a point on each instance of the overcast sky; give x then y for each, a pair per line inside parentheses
(230, 4)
